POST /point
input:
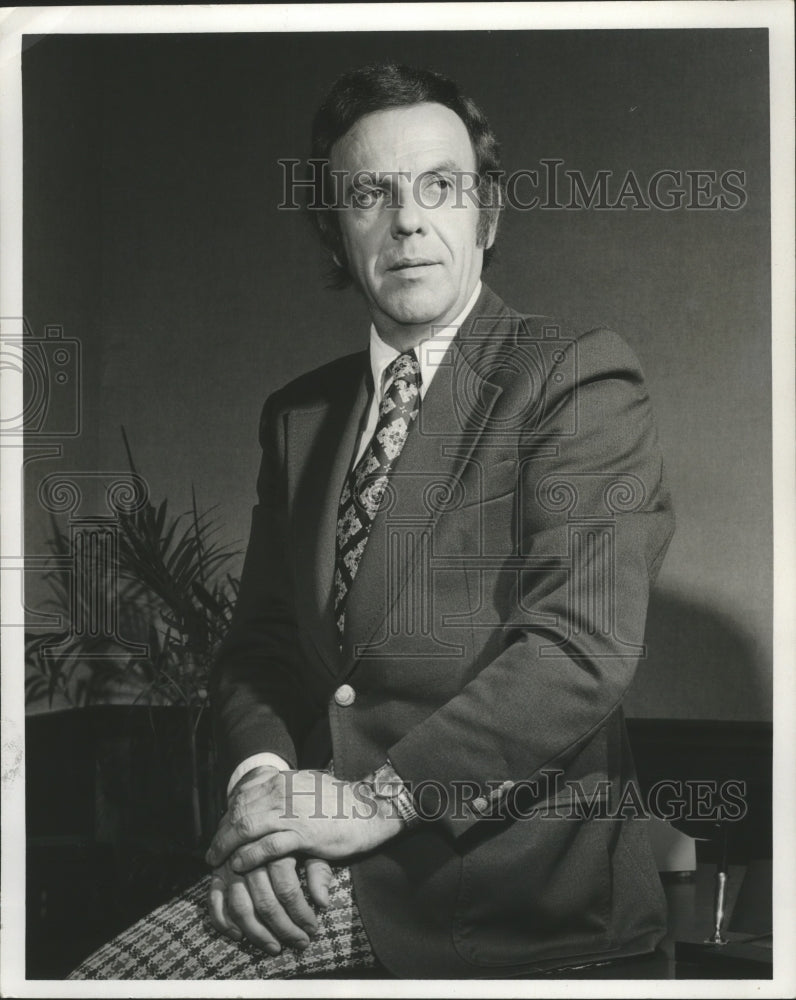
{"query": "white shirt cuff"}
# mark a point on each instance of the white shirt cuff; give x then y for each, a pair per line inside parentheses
(256, 760)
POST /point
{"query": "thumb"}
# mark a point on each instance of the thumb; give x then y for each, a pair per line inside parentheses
(319, 878)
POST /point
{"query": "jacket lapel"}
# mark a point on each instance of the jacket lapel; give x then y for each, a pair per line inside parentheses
(453, 417)
(322, 444)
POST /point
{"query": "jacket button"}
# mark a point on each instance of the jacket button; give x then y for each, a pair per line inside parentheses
(345, 695)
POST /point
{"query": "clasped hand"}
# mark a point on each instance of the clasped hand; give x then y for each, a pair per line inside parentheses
(281, 813)
(273, 817)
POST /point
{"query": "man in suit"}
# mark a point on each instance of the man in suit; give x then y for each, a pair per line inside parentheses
(444, 594)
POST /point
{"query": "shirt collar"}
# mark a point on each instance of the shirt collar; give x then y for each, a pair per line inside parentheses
(429, 352)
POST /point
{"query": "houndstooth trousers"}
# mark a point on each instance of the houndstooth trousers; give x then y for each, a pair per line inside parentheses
(177, 941)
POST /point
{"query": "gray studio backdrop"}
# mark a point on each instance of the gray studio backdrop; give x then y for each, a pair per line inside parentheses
(152, 237)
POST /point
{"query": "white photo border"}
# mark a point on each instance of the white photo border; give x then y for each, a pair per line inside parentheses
(775, 15)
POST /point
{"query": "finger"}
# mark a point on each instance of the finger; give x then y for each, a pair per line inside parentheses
(218, 851)
(287, 888)
(241, 909)
(268, 848)
(238, 826)
(271, 913)
(217, 909)
(319, 878)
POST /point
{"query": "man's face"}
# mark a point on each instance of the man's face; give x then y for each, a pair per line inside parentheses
(410, 234)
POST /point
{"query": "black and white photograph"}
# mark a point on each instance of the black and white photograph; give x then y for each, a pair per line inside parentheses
(398, 500)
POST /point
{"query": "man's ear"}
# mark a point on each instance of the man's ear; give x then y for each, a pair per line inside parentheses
(332, 241)
(487, 228)
(492, 231)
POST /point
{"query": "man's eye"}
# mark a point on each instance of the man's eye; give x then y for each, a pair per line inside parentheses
(366, 197)
(439, 182)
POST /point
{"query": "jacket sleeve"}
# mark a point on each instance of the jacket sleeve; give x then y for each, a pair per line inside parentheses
(593, 521)
(254, 692)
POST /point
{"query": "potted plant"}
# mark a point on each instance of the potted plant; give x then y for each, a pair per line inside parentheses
(175, 594)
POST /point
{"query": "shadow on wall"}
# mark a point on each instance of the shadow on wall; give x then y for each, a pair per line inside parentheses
(700, 665)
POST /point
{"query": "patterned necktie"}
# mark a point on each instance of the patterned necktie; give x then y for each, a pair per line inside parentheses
(363, 491)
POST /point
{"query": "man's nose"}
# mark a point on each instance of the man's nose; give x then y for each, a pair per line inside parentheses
(408, 216)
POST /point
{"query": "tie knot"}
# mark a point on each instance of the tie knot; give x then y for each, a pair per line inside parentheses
(405, 368)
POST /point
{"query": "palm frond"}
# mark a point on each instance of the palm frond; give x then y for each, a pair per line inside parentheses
(175, 595)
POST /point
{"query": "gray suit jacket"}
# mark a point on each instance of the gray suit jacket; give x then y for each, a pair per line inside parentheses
(494, 625)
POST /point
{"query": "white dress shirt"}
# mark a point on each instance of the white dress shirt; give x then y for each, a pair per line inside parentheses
(429, 354)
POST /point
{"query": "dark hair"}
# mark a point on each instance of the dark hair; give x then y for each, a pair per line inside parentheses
(389, 85)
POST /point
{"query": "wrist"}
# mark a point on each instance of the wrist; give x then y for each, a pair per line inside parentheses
(392, 797)
(389, 821)
(258, 773)
(252, 763)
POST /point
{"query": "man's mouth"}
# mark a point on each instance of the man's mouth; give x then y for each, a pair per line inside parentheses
(408, 263)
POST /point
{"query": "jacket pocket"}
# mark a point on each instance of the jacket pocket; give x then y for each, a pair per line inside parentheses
(534, 890)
